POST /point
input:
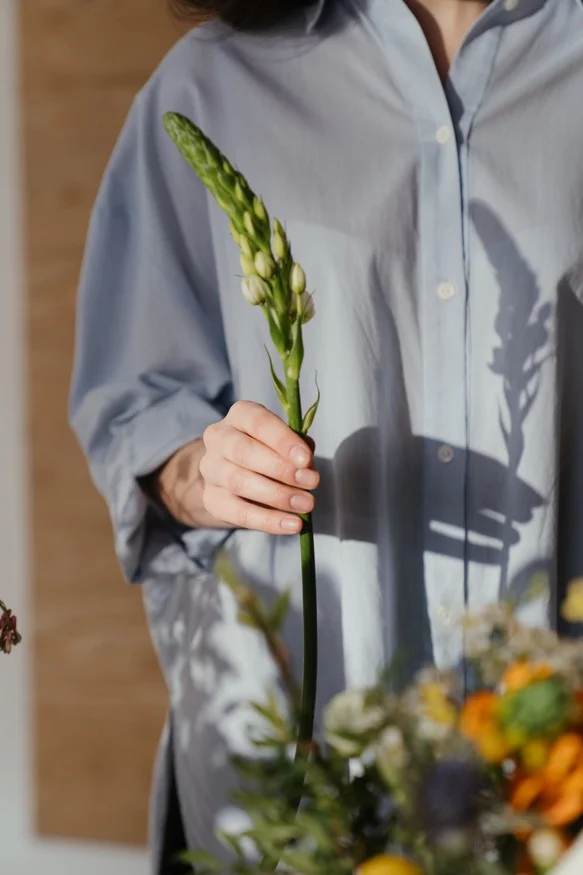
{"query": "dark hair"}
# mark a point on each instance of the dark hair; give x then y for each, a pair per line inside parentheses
(240, 14)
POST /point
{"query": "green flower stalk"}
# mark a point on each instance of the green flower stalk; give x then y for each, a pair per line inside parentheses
(276, 284)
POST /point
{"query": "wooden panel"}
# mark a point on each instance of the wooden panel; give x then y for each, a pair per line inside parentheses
(99, 700)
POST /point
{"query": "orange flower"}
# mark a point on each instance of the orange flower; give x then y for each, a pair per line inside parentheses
(478, 714)
(526, 792)
(556, 791)
(478, 723)
(521, 674)
(564, 756)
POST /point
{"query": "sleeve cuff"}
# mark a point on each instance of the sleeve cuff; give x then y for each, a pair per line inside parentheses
(148, 543)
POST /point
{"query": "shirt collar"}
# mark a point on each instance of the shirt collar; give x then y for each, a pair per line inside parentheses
(314, 14)
(513, 10)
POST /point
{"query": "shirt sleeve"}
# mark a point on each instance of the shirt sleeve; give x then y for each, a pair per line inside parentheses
(151, 369)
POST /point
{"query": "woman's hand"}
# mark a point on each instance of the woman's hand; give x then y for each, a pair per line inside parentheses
(249, 471)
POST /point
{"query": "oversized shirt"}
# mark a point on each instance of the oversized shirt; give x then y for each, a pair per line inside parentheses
(440, 226)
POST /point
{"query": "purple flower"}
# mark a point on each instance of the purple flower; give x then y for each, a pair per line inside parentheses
(451, 798)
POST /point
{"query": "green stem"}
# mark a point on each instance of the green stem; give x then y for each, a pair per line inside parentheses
(310, 605)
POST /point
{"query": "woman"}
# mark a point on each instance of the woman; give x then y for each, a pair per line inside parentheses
(425, 157)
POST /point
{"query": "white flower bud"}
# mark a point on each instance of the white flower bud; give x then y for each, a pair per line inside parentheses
(254, 290)
(277, 227)
(247, 264)
(245, 245)
(249, 226)
(546, 848)
(239, 193)
(279, 245)
(348, 716)
(392, 749)
(259, 209)
(264, 265)
(307, 308)
(298, 280)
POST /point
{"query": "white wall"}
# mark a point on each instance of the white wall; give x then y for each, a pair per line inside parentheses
(20, 852)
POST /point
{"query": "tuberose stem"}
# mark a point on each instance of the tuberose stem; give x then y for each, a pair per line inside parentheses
(310, 604)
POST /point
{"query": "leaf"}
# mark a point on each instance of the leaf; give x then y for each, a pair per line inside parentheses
(279, 386)
(301, 862)
(537, 587)
(311, 413)
(270, 712)
(280, 610)
(231, 841)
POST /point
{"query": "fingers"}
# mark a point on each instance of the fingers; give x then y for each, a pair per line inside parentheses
(238, 513)
(257, 472)
(267, 428)
(254, 487)
(248, 453)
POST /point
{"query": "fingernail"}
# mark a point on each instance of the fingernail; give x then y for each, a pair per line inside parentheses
(302, 503)
(291, 525)
(299, 456)
(306, 477)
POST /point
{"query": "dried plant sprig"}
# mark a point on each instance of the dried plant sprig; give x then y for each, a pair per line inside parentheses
(274, 282)
(9, 634)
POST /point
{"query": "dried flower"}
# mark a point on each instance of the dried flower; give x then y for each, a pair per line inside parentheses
(9, 635)
(307, 307)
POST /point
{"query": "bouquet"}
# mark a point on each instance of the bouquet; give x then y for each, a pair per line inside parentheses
(478, 772)
(429, 780)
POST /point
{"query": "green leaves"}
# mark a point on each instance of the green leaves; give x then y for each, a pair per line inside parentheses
(310, 414)
(279, 386)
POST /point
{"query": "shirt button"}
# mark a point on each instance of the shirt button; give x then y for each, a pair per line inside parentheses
(445, 454)
(443, 134)
(446, 291)
(511, 5)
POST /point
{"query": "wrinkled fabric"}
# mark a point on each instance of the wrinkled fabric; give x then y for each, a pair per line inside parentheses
(441, 228)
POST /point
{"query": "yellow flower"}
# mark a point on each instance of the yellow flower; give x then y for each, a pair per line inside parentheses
(535, 754)
(572, 608)
(386, 864)
(437, 704)
(492, 746)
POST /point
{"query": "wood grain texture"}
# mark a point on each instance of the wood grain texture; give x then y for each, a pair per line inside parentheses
(99, 700)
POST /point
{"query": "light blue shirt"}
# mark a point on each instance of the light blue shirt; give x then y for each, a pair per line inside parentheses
(442, 231)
